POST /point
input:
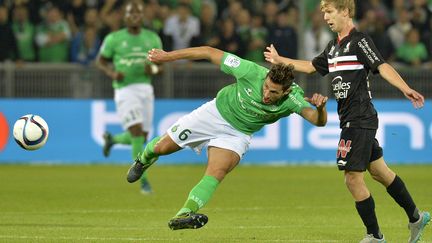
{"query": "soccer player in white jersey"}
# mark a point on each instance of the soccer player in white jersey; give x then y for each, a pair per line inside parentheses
(348, 60)
(225, 125)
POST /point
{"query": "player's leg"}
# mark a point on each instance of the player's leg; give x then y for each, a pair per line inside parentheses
(220, 163)
(398, 191)
(147, 100)
(353, 157)
(156, 147)
(110, 140)
(364, 203)
(138, 139)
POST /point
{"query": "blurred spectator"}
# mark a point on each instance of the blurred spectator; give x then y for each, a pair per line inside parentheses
(242, 23)
(208, 28)
(151, 21)
(284, 37)
(398, 30)
(382, 41)
(232, 10)
(270, 14)
(112, 22)
(228, 38)
(293, 18)
(426, 38)
(24, 32)
(420, 15)
(52, 37)
(85, 46)
(76, 10)
(316, 36)
(182, 27)
(379, 9)
(258, 37)
(8, 43)
(412, 52)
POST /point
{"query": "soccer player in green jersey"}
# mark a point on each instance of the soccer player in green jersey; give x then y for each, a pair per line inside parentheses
(133, 92)
(226, 124)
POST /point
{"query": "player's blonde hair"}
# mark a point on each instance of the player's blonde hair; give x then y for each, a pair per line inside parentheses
(340, 5)
(282, 74)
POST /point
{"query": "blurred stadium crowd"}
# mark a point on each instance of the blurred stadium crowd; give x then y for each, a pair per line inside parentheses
(72, 31)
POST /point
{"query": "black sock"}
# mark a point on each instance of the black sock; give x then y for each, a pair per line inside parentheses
(400, 194)
(366, 210)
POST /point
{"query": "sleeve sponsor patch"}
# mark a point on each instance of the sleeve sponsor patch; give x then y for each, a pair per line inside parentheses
(232, 61)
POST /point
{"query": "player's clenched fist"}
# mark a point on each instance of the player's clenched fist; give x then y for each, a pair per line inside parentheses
(317, 100)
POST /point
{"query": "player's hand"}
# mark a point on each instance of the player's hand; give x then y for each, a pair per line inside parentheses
(415, 97)
(271, 55)
(117, 76)
(157, 56)
(317, 100)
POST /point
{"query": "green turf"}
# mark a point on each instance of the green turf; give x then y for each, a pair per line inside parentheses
(254, 204)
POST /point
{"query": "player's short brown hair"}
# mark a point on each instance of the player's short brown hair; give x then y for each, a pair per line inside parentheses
(341, 5)
(282, 74)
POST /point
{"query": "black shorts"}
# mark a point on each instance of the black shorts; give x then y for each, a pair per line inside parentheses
(357, 148)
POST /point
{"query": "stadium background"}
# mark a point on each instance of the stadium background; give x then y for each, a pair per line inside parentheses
(61, 83)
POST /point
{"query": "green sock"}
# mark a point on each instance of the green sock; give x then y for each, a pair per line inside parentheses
(200, 195)
(123, 138)
(149, 149)
(137, 146)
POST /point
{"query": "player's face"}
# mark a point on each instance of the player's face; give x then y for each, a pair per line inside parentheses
(334, 18)
(134, 15)
(273, 92)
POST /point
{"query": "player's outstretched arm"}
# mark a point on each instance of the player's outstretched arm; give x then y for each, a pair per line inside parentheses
(392, 76)
(194, 53)
(272, 56)
(317, 116)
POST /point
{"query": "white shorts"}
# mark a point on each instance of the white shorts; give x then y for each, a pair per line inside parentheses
(205, 127)
(135, 104)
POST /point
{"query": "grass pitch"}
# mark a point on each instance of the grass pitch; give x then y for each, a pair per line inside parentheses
(253, 204)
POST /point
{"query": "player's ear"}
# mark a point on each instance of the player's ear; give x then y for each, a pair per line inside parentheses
(287, 91)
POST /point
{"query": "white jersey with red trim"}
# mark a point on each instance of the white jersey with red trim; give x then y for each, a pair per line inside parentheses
(348, 63)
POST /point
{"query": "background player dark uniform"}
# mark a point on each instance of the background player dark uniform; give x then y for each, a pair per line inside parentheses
(348, 60)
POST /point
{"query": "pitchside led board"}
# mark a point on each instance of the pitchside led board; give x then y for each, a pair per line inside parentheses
(76, 128)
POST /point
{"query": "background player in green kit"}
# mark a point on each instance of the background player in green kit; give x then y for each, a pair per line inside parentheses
(226, 124)
(133, 92)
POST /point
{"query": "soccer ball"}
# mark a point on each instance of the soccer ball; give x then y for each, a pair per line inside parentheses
(30, 132)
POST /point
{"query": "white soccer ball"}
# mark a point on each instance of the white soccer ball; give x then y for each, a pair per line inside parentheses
(30, 132)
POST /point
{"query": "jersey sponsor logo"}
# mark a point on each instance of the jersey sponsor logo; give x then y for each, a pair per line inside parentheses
(370, 54)
(343, 149)
(340, 88)
(232, 61)
(130, 62)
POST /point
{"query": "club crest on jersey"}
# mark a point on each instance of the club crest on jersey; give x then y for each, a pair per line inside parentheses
(346, 49)
(343, 148)
(248, 91)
